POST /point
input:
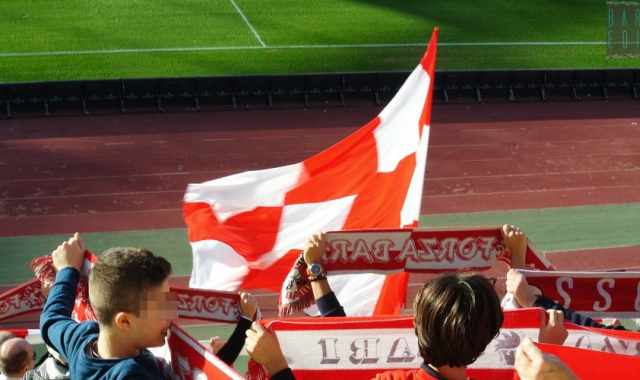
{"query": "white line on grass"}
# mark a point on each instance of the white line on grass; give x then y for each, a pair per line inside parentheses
(246, 20)
(276, 47)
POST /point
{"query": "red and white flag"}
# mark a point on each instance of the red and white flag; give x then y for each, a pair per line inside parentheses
(246, 229)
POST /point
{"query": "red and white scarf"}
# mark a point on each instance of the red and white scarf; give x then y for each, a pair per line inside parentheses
(207, 305)
(595, 365)
(358, 348)
(45, 272)
(601, 294)
(410, 250)
(192, 361)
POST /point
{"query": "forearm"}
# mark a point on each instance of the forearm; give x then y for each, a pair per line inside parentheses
(230, 351)
(320, 288)
(56, 315)
(62, 296)
(329, 305)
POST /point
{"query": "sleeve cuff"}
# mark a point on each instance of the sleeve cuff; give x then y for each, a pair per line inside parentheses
(328, 302)
(68, 274)
(285, 374)
(245, 322)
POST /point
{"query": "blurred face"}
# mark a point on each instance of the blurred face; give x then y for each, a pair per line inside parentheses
(157, 311)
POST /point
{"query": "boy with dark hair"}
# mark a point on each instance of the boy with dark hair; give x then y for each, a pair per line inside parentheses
(129, 291)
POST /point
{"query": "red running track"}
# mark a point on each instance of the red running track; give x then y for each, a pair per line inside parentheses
(124, 172)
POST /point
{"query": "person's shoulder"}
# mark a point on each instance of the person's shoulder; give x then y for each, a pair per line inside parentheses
(143, 366)
(87, 330)
(128, 369)
(90, 326)
(412, 374)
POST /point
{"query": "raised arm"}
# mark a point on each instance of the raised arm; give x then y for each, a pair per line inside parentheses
(58, 329)
(326, 300)
(229, 352)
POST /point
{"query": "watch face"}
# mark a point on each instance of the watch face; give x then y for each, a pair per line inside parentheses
(315, 269)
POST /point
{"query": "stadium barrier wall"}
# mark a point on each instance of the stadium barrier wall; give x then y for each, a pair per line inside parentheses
(308, 91)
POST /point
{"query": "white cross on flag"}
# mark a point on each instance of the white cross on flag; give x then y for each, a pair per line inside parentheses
(246, 230)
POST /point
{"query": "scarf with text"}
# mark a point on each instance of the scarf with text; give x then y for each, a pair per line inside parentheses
(599, 294)
(409, 250)
(358, 348)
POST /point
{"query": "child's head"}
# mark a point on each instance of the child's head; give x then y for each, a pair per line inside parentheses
(129, 291)
(455, 319)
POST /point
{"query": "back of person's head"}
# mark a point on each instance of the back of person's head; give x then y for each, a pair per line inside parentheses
(455, 319)
(120, 280)
(16, 357)
(5, 335)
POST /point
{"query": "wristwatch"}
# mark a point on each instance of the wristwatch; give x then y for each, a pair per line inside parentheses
(316, 272)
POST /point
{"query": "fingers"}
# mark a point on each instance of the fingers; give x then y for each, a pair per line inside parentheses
(80, 241)
(554, 332)
(528, 351)
(510, 230)
(254, 336)
(247, 298)
(556, 318)
(255, 331)
(314, 240)
(248, 305)
(216, 343)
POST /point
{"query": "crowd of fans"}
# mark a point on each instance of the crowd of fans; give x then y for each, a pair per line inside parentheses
(455, 318)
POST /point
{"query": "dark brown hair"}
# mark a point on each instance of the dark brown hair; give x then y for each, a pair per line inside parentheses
(455, 319)
(121, 278)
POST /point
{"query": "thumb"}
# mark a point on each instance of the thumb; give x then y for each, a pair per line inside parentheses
(257, 327)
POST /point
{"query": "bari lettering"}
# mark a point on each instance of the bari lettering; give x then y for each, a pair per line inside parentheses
(366, 351)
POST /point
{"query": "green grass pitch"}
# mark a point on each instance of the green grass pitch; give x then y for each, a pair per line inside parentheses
(74, 39)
